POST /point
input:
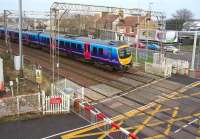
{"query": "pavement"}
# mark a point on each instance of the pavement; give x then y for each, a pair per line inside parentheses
(40, 128)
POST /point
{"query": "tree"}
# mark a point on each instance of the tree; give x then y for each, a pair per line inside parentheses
(183, 14)
(178, 19)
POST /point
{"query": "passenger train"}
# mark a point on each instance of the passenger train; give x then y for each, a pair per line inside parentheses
(116, 54)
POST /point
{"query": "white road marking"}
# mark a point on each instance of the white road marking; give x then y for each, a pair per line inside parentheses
(186, 125)
(129, 91)
(64, 132)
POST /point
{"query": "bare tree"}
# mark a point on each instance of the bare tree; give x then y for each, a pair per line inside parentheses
(178, 19)
(183, 14)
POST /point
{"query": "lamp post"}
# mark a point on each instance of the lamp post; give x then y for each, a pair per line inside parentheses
(20, 40)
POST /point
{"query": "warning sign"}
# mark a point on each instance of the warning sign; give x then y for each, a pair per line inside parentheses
(56, 100)
(38, 73)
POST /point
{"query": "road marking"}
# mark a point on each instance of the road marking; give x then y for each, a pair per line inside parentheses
(186, 96)
(146, 121)
(54, 135)
(184, 126)
(109, 131)
(156, 137)
(133, 112)
(196, 84)
(171, 121)
(136, 126)
(70, 135)
(105, 100)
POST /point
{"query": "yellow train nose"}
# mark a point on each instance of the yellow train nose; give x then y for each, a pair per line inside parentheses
(125, 61)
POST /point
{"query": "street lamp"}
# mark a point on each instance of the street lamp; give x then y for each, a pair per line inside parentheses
(20, 40)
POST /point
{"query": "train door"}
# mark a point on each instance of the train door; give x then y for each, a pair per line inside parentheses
(110, 54)
(87, 51)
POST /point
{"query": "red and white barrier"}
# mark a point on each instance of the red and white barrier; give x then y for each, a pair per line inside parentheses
(94, 115)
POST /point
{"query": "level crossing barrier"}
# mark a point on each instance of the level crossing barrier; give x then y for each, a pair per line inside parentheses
(93, 115)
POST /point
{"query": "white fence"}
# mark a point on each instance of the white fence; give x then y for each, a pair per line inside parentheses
(55, 104)
(178, 66)
(65, 86)
(20, 104)
(163, 70)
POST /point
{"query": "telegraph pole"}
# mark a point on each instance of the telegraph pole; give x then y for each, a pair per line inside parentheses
(6, 14)
(20, 40)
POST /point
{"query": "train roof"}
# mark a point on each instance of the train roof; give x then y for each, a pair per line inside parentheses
(78, 38)
(85, 39)
(96, 41)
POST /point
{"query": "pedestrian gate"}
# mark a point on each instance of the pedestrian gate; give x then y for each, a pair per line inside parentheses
(55, 104)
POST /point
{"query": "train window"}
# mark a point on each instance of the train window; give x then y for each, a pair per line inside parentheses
(33, 37)
(48, 42)
(94, 52)
(73, 45)
(67, 44)
(61, 43)
(79, 47)
(100, 51)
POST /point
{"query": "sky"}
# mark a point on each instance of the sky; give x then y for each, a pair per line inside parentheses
(167, 6)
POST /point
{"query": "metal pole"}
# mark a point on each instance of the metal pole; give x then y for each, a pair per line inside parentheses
(137, 39)
(194, 50)
(5, 27)
(20, 39)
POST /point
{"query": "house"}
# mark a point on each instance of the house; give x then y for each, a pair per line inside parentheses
(130, 23)
(106, 21)
(191, 25)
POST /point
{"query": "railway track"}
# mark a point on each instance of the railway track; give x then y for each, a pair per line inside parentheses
(86, 75)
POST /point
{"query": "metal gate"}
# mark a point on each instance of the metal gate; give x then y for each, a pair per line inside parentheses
(55, 104)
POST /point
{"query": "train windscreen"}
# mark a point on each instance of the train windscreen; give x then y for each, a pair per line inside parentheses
(124, 52)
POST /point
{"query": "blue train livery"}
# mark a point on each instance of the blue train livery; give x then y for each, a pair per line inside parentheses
(116, 54)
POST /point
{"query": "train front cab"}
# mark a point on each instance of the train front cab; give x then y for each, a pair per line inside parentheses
(125, 57)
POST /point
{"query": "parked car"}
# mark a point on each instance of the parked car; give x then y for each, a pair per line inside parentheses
(139, 45)
(153, 47)
(171, 48)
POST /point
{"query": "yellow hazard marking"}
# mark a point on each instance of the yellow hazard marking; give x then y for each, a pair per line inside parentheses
(109, 131)
(186, 96)
(156, 137)
(148, 119)
(195, 84)
(169, 126)
(136, 126)
(134, 112)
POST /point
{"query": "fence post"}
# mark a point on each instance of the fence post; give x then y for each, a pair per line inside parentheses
(68, 102)
(194, 50)
(43, 101)
(65, 83)
(39, 103)
(18, 105)
(82, 93)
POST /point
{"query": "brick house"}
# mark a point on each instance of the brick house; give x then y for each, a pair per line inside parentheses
(106, 21)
